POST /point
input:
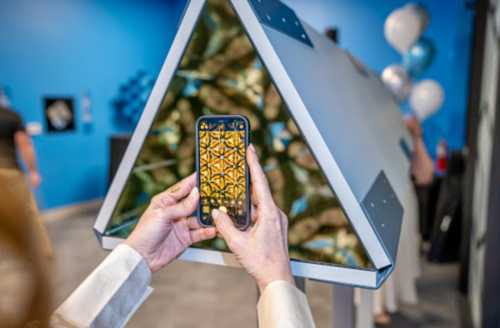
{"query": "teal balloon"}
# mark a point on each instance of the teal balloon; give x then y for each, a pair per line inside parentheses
(419, 57)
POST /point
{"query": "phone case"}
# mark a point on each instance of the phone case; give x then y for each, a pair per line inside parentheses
(245, 224)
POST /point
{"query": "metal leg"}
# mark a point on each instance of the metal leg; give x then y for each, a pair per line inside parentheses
(364, 311)
(300, 283)
(342, 307)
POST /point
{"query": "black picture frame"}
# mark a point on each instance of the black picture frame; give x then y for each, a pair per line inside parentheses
(59, 113)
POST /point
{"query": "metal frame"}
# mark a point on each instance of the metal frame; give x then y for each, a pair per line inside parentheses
(348, 191)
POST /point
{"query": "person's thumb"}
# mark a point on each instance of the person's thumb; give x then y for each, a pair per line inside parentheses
(225, 227)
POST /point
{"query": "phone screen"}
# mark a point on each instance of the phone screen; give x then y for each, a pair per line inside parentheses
(222, 169)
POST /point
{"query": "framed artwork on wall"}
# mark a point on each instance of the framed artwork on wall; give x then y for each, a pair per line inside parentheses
(59, 114)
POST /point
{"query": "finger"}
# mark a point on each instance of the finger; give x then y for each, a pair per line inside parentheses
(185, 207)
(284, 227)
(202, 234)
(193, 223)
(260, 188)
(253, 213)
(176, 192)
(226, 227)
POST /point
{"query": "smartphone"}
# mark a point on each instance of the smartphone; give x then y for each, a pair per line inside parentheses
(223, 179)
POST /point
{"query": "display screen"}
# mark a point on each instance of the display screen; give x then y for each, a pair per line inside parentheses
(220, 73)
(222, 169)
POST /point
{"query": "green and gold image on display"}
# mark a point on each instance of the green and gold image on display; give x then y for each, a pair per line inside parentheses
(222, 168)
(220, 73)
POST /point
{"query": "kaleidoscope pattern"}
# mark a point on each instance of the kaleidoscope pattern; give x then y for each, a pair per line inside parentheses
(222, 170)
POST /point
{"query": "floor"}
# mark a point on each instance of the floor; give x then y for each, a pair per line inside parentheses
(191, 294)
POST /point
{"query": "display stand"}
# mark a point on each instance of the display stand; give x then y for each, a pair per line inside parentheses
(300, 283)
(364, 311)
(351, 126)
(347, 119)
(343, 310)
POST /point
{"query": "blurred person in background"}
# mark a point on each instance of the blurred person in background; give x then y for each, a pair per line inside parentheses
(422, 166)
(16, 143)
(402, 284)
(24, 279)
(111, 294)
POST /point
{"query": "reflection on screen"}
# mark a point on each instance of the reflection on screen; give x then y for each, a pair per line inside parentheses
(222, 168)
(220, 73)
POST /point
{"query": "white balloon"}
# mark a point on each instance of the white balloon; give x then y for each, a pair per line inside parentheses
(402, 29)
(421, 13)
(396, 79)
(426, 98)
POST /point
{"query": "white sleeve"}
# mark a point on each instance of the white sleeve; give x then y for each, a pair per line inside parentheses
(110, 295)
(282, 305)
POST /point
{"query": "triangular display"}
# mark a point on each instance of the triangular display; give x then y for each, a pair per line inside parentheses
(319, 120)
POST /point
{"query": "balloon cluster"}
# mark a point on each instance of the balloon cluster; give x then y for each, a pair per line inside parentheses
(403, 30)
(131, 99)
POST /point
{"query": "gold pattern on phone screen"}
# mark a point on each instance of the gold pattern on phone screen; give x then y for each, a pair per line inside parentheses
(222, 168)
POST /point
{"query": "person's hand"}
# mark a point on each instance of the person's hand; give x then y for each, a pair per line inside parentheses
(35, 179)
(422, 167)
(263, 249)
(164, 230)
(414, 127)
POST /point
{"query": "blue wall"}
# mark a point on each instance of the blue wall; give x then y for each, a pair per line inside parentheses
(62, 47)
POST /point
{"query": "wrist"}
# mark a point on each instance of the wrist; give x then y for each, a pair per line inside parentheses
(133, 256)
(132, 244)
(280, 276)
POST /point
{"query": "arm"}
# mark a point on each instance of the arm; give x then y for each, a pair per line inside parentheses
(24, 145)
(117, 287)
(422, 167)
(120, 284)
(263, 251)
(283, 305)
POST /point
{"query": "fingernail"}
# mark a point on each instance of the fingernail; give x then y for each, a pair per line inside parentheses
(252, 148)
(194, 191)
(215, 213)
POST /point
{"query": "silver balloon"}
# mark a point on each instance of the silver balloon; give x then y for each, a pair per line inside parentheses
(397, 81)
